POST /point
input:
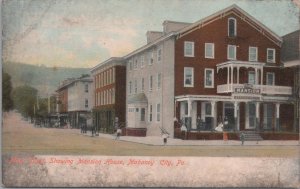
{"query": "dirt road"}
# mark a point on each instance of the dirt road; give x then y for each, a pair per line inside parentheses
(18, 136)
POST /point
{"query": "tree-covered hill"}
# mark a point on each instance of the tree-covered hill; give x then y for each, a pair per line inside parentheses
(44, 79)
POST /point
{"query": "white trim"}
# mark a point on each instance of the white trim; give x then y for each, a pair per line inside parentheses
(256, 54)
(192, 78)
(235, 26)
(270, 73)
(213, 50)
(212, 79)
(193, 49)
(228, 46)
(274, 55)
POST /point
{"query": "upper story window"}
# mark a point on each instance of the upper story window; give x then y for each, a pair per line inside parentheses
(188, 77)
(143, 85)
(135, 86)
(188, 49)
(209, 50)
(270, 55)
(209, 78)
(150, 83)
(158, 81)
(231, 52)
(130, 65)
(151, 58)
(158, 112)
(135, 64)
(270, 80)
(130, 87)
(159, 55)
(86, 88)
(86, 103)
(142, 61)
(252, 53)
(232, 27)
(251, 77)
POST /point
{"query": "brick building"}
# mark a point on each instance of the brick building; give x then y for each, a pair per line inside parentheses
(228, 69)
(109, 93)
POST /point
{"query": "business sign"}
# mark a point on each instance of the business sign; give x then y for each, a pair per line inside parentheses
(247, 89)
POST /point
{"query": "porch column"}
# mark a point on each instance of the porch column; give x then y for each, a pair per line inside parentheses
(238, 75)
(256, 76)
(277, 117)
(194, 114)
(228, 78)
(261, 76)
(236, 110)
(189, 108)
(257, 122)
(213, 113)
(231, 78)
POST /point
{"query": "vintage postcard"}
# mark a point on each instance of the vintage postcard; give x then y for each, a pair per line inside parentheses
(159, 93)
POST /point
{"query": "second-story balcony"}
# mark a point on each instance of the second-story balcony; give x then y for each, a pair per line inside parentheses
(254, 89)
(254, 84)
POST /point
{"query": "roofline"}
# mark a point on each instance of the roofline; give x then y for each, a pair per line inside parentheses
(118, 59)
(87, 79)
(234, 6)
(163, 38)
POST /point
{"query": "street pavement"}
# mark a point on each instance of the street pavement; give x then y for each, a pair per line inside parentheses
(158, 140)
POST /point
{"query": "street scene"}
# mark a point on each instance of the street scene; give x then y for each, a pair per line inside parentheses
(150, 93)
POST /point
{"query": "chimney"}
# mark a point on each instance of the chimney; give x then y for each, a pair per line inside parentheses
(153, 35)
(171, 26)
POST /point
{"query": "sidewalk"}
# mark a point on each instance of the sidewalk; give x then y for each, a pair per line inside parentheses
(157, 141)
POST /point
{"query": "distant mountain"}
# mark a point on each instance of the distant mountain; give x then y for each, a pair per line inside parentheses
(44, 79)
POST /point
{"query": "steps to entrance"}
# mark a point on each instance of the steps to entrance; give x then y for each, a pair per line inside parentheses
(251, 136)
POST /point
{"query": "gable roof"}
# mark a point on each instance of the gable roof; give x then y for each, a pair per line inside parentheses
(239, 12)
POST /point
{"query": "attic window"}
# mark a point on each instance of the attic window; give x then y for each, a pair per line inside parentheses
(232, 27)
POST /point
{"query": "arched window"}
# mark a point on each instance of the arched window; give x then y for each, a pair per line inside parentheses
(231, 27)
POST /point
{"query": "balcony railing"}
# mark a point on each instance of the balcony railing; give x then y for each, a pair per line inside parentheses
(263, 89)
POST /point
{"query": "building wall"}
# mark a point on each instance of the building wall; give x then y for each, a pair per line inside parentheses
(120, 86)
(63, 99)
(217, 33)
(164, 95)
(77, 96)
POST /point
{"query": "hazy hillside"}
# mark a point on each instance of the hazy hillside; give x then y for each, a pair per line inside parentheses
(45, 79)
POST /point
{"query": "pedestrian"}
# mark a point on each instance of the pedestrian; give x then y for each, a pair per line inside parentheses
(165, 138)
(119, 131)
(242, 137)
(183, 130)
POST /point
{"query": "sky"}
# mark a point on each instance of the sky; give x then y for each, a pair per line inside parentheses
(84, 33)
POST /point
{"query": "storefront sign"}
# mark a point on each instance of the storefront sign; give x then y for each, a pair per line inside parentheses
(247, 89)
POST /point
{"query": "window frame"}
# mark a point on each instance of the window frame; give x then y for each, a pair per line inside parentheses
(228, 47)
(273, 75)
(158, 80)
(235, 27)
(159, 55)
(213, 50)
(274, 55)
(249, 54)
(192, 77)
(185, 49)
(150, 83)
(150, 113)
(212, 79)
(158, 110)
